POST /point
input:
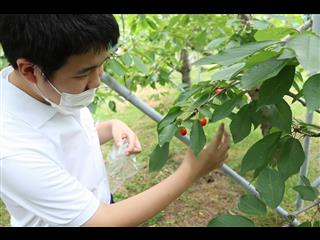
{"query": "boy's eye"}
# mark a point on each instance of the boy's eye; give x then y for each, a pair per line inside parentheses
(82, 76)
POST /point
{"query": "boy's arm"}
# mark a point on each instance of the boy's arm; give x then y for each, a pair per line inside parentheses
(137, 209)
(104, 130)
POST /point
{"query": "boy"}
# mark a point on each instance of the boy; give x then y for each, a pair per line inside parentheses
(52, 170)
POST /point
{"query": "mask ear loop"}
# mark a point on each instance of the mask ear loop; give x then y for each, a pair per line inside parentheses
(40, 92)
(47, 79)
(53, 86)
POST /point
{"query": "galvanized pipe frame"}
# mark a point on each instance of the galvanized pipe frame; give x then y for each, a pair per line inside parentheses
(156, 116)
(316, 183)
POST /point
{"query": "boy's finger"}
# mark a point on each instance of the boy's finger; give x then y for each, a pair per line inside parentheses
(226, 145)
(131, 140)
(138, 145)
(226, 140)
(218, 136)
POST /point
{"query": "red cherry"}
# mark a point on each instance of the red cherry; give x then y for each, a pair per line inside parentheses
(203, 121)
(218, 90)
(183, 131)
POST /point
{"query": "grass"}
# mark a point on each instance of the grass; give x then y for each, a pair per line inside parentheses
(4, 216)
(145, 128)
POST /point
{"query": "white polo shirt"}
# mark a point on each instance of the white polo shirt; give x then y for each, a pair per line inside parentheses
(51, 166)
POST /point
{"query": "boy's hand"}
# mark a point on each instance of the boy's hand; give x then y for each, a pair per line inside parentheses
(211, 157)
(120, 131)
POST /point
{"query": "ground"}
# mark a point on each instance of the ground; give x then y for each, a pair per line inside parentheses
(207, 198)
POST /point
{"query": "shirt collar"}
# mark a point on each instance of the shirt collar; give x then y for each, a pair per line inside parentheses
(22, 105)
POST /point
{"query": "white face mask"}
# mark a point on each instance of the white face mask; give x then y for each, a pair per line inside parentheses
(68, 101)
(79, 100)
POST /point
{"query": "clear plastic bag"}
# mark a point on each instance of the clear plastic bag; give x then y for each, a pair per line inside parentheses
(121, 167)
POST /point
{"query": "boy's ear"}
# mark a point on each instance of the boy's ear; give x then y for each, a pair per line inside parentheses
(27, 70)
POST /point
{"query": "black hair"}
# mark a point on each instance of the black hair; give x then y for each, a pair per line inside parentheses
(48, 40)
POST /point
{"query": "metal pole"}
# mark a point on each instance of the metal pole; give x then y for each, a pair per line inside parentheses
(316, 23)
(304, 167)
(309, 117)
(153, 114)
(316, 183)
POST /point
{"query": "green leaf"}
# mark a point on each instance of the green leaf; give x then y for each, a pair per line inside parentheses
(197, 138)
(140, 65)
(260, 24)
(287, 53)
(271, 187)
(151, 24)
(126, 59)
(112, 105)
(316, 224)
(269, 155)
(280, 115)
(174, 20)
(305, 224)
(227, 220)
(158, 157)
(200, 40)
(185, 19)
(215, 43)
(201, 100)
(255, 115)
(170, 117)
(167, 133)
(291, 157)
(311, 91)
(233, 55)
(93, 107)
(116, 67)
(224, 110)
(133, 27)
(308, 126)
(273, 89)
(305, 180)
(261, 71)
(228, 72)
(307, 193)
(205, 111)
(273, 33)
(250, 204)
(298, 95)
(307, 49)
(241, 124)
(260, 153)
(184, 96)
(260, 57)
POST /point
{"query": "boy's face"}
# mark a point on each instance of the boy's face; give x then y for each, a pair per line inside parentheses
(80, 73)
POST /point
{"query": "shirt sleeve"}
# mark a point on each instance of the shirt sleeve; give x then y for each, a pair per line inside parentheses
(39, 185)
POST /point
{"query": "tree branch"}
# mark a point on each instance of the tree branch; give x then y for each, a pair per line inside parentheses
(210, 98)
(290, 94)
(299, 29)
(296, 213)
(245, 17)
(185, 68)
(123, 24)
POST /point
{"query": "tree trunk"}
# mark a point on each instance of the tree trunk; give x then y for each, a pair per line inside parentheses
(265, 121)
(245, 17)
(185, 69)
